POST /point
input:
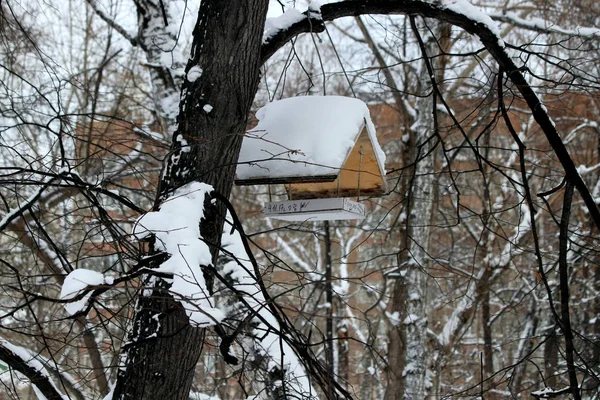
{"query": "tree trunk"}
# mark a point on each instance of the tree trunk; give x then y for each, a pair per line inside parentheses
(596, 327)
(163, 347)
(397, 344)
(484, 283)
(551, 359)
(486, 321)
(329, 343)
(167, 78)
(525, 346)
(407, 350)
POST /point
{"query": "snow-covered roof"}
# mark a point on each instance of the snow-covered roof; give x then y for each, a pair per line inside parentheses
(307, 137)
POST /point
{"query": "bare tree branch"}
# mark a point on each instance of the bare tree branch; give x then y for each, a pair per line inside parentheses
(113, 24)
(20, 360)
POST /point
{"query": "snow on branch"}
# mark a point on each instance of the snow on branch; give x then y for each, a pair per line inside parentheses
(549, 393)
(176, 229)
(544, 26)
(281, 23)
(74, 285)
(82, 286)
(459, 12)
(463, 7)
(289, 19)
(266, 340)
(26, 363)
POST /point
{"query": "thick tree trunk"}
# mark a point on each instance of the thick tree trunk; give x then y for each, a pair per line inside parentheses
(343, 347)
(163, 348)
(596, 327)
(414, 320)
(162, 351)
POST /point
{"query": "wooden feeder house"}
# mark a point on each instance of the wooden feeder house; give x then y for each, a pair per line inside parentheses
(323, 149)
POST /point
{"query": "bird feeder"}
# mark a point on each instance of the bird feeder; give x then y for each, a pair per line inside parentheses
(322, 148)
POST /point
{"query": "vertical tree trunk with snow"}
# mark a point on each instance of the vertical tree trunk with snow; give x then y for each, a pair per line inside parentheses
(414, 320)
(525, 345)
(163, 349)
(596, 330)
(342, 347)
(408, 371)
(164, 61)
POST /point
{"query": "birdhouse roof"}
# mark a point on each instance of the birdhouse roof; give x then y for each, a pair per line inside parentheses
(304, 139)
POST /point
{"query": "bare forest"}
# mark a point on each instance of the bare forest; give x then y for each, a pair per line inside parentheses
(132, 267)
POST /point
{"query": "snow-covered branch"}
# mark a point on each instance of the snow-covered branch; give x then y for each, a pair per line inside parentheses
(549, 393)
(176, 229)
(545, 26)
(23, 361)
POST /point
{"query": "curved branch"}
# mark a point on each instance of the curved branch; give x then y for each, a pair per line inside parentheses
(490, 40)
(354, 8)
(20, 360)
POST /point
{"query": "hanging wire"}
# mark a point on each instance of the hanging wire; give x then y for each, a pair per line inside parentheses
(283, 75)
(340, 61)
(312, 36)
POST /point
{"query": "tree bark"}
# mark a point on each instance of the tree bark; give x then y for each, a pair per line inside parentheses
(484, 283)
(409, 370)
(329, 343)
(157, 42)
(486, 321)
(163, 347)
(529, 330)
(38, 376)
(563, 273)
(551, 359)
